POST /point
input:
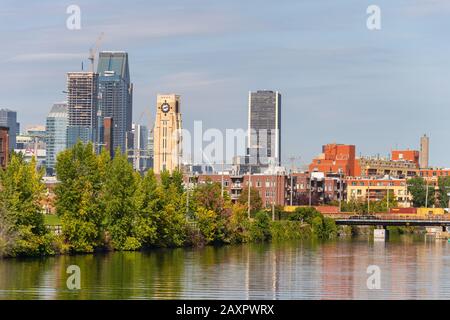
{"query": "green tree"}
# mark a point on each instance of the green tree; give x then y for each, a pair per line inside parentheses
(260, 228)
(255, 200)
(444, 189)
(118, 194)
(78, 196)
(21, 192)
(149, 208)
(171, 222)
(418, 188)
(8, 234)
(304, 214)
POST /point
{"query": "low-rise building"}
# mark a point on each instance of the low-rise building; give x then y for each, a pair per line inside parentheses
(375, 189)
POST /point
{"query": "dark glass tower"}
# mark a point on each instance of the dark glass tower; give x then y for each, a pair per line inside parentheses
(116, 96)
(264, 122)
(8, 119)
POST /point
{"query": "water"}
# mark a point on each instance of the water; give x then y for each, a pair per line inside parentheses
(411, 268)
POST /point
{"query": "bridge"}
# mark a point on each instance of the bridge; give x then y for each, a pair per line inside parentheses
(391, 221)
(382, 221)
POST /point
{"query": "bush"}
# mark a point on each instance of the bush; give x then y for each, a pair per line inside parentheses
(305, 214)
(289, 230)
(260, 228)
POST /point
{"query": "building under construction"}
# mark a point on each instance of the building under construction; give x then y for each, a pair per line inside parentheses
(82, 102)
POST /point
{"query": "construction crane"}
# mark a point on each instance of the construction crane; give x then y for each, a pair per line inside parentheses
(93, 50)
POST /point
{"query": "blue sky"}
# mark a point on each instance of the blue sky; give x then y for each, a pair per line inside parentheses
(340, 82)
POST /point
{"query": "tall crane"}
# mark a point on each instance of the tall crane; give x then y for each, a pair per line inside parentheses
(93, 50)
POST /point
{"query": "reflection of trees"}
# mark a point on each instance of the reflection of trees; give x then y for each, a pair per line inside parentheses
(22, 278)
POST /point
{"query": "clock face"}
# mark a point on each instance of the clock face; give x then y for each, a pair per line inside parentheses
(165, 107)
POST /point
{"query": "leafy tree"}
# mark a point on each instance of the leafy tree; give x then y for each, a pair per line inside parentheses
(418, 188)
(78, 196)
(149, 208)
(255, 200)
(21, 192)
(8, 234)
(120, 203)
(260, 228)
(444, 189)
(304, 214)
(171, 223)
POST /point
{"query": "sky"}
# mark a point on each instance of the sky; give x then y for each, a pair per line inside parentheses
(340, 82)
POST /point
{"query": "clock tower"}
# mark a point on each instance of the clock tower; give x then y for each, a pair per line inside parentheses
(167, 134)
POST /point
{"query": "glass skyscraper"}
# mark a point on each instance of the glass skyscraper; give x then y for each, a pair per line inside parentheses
(56, 140)
(115, 96)
(8, 118)
(264, 122)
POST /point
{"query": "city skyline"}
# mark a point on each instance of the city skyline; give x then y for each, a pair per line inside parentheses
(378, 90)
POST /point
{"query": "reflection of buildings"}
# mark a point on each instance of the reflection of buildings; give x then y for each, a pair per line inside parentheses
(337, 280)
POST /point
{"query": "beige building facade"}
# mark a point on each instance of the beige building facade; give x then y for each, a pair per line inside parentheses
(167, 134)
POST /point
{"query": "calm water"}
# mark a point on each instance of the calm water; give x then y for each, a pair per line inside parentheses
(411, 268)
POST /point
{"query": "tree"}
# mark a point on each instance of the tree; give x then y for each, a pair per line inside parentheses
(418, 188)
(444, 189)
(260, 228)
(8, 234)
(149, 208)
(255, 200)
(171, 222)
(118, 195)
(21, 192)
(304, 214)
(78, 196)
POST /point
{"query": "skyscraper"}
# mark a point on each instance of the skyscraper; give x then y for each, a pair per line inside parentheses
(141, 153)
(264, 124)
(424, 151)
(116, 94)
(167, 134)
(56, 140)
(8, 118)
(82, 94)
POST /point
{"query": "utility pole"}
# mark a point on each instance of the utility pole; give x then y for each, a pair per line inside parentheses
(249, 188)
(222, 180)
(273, 193)
(310, 189)
(292, 159)
(426, 196)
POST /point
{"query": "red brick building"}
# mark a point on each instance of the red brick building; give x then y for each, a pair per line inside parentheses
(335, 158)
(4, 146)
(406, 155)
(271, 188)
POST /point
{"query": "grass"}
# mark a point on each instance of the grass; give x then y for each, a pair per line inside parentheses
(51, 220)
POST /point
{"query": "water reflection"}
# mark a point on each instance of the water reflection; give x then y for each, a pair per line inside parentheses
(411, 268)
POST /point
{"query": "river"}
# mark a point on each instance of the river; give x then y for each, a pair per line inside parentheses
(410, 267)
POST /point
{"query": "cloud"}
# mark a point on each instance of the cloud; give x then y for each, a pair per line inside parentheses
(428, 7)
(189, 80)
(32, 57)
